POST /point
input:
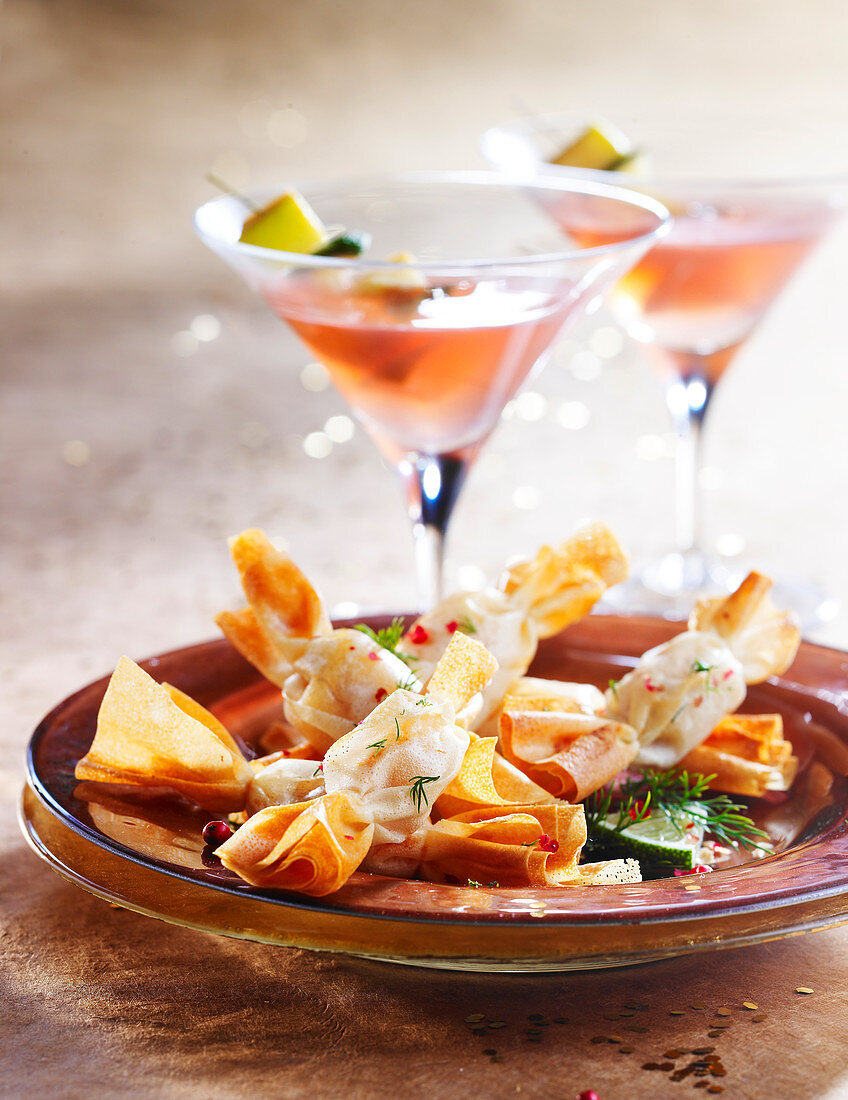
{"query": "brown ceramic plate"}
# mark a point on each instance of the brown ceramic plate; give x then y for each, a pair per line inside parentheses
(146, 853)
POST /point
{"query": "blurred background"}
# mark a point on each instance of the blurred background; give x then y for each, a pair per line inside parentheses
(153, 406)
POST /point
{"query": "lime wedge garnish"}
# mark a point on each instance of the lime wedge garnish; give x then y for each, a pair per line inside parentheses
(660, 842)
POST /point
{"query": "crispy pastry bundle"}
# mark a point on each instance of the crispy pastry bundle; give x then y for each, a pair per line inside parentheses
(380, 766)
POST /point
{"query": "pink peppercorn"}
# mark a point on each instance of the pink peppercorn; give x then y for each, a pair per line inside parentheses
(215, 833)
(588, 1094)
(418, 635)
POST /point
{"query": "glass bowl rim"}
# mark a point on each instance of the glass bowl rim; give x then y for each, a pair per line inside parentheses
(598, 188)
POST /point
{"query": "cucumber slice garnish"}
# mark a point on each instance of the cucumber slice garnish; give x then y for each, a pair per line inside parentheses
(344, 244)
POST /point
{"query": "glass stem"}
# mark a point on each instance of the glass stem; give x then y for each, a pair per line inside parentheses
(432, 484)
(688, 398)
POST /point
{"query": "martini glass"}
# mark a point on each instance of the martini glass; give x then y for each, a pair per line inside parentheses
(428, 351)
(697, 296)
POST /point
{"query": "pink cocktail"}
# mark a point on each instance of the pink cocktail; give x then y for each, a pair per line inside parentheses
(694, 298)
(429, 349)
(701, 291)
(430, 374)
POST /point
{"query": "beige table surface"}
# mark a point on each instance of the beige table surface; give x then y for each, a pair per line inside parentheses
(133, 445)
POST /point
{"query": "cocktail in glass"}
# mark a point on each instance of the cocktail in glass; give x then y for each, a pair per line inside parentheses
(693, 299)
(427, 350)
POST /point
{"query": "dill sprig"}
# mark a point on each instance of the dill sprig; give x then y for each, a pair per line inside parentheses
(699, 666)
(602, 804)
(681, 797)
(417, 791)
(378, 746)
(388, 637)
(465, 625)
(678, 712)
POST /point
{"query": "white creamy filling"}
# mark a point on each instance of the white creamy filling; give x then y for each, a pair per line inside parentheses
(285, 782)
(676, 695)
(489, 617)
(398, 760)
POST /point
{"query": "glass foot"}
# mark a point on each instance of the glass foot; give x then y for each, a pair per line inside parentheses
(670, 586)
